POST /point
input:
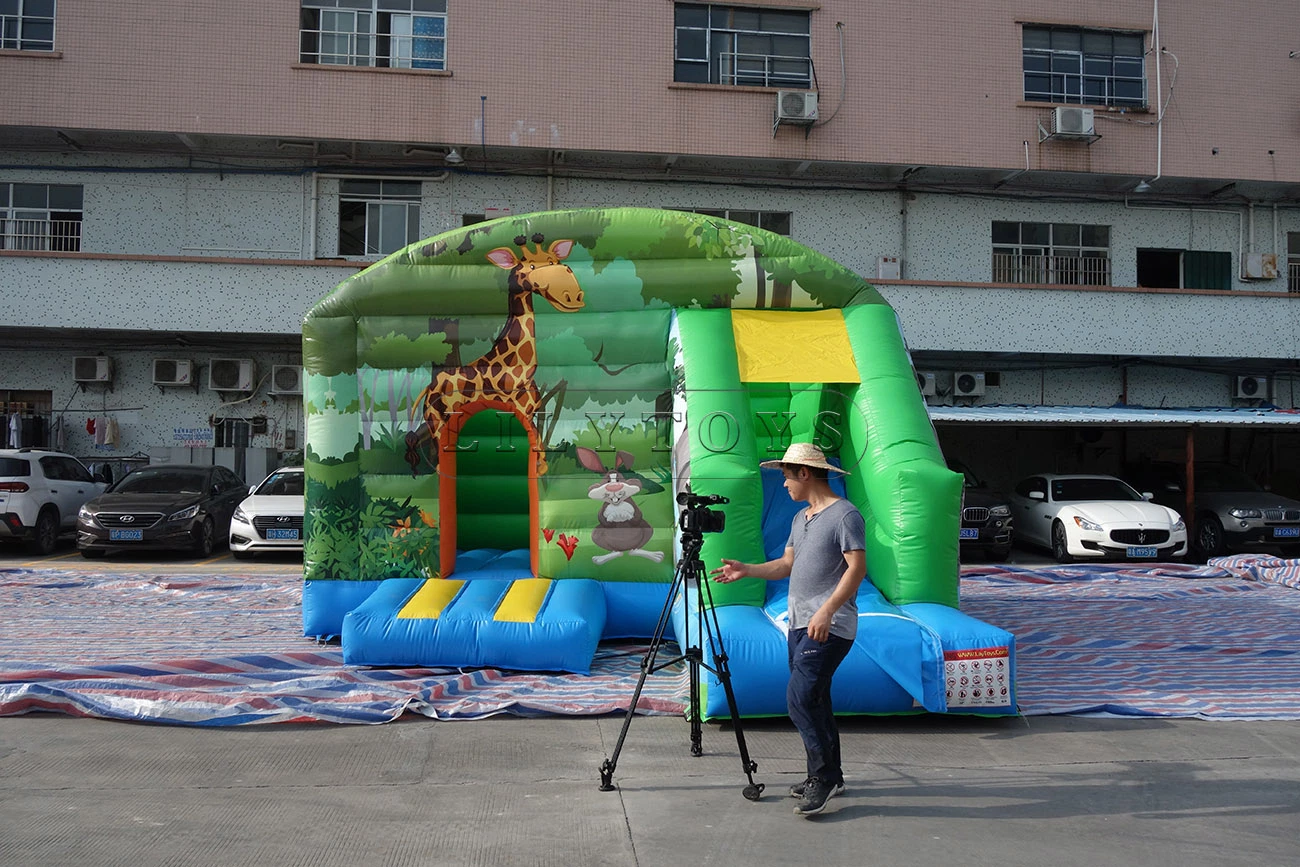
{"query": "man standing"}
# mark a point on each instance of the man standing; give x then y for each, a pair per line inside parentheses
(826, 560)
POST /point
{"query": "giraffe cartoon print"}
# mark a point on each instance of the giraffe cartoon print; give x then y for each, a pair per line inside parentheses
(502, 378)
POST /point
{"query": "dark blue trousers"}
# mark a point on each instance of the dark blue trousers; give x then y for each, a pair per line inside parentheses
(808, 697)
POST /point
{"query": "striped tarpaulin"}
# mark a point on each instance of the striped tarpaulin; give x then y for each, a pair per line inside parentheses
(205, 650)
(1163, 640)
(1218, 642)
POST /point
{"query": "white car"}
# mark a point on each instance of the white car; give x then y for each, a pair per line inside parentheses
(270, 519)
(1095, 517)
(40, 494)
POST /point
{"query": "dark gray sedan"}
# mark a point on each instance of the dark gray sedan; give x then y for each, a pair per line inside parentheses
(165, 507)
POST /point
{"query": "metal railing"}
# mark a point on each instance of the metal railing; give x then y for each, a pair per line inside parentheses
(1065, 270)
(350, 48)
(24, 234)
(764, 70)
(1293, 276)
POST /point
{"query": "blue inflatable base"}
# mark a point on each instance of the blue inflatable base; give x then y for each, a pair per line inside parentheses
(468, 631)
(920, 657)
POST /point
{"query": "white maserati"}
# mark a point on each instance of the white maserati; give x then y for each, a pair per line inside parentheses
(1095, 517)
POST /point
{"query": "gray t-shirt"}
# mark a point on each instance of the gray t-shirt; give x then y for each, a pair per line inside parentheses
(819, 544)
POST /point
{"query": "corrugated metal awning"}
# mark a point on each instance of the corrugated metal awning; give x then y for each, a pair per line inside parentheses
(1254, 417)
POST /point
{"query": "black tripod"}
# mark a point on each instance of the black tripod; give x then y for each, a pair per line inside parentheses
(689, 570)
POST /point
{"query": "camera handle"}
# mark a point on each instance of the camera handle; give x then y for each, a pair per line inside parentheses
(690, 568)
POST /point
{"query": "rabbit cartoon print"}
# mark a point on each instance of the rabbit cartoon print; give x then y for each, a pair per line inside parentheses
(620, 528)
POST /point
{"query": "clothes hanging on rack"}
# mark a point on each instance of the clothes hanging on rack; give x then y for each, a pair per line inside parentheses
(59, 436)
(15, 430)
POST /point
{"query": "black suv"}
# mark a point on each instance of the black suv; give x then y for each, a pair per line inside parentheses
(985, 517)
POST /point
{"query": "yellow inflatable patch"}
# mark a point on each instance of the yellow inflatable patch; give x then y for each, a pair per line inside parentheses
(793, 346)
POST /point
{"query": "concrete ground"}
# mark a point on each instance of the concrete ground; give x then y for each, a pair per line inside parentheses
(507, 791)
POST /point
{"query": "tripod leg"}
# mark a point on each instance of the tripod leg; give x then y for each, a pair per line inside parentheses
(713, 628)
(697, 737)
(647, 666)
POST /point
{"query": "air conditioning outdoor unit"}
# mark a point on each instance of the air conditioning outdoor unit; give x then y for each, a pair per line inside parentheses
(286, 379)
(796, 106)
(925, 381)
(173, 371)
(1072, 122)
(1251, 387)
(231, 374)
(92, 368)
(967, 383)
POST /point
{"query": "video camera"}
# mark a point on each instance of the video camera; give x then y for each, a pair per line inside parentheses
(696, 517)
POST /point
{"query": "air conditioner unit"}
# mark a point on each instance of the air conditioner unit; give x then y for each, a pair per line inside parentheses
(173, 371)
(967, 383)
(231, 374)
(1073, 122)
(1252, 387)
(925, 381)
(92, 368)
(796, 106)
(286, 379)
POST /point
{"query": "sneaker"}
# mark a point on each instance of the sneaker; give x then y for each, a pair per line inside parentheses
(815, 795)
(797, 790)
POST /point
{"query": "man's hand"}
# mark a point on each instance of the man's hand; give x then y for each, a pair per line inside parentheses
(819, 626)
(730, 570)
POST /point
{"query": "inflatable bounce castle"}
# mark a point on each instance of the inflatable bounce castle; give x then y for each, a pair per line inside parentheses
(499, 420)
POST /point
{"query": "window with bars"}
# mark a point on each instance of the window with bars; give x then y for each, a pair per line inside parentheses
(27, 25)
(761, 47)
(1067, 253)
(777, 222)
(400, 34)
(1088, 67)
(1293, 262)
(377, 217)
(40, 217)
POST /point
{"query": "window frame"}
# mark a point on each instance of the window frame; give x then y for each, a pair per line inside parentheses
(371, 38)
(762, 214)
(34, 227)
(708, 42)
(374, 207)
(1072, 70)
(1064, 262)
(18, 23)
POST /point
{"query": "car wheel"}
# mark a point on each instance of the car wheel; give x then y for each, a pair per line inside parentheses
(241, 555)
(1209, 538)
(46, 538)
(1060, 546)
(92, 554)
(205, 538)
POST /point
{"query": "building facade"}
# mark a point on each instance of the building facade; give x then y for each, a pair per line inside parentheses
(1067, 206)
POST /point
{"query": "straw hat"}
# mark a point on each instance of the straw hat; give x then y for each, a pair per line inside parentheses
(804, 455)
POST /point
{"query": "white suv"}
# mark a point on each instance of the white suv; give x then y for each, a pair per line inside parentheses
(40, 493)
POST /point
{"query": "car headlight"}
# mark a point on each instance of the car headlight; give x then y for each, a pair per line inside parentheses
(1085, 524)
(1246, 513)
(1179, 526)
(1000, 511)
(184, 514)
(84, 514)
(241, 515)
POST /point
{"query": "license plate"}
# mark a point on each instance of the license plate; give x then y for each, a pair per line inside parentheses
(282, 534)
(1286, 532)
(969, 533)
(1145, 551)
(125, 535)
